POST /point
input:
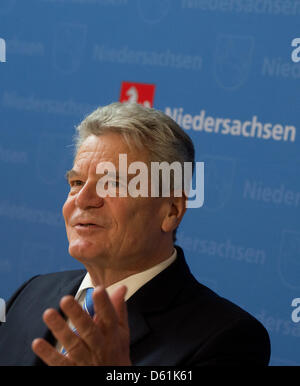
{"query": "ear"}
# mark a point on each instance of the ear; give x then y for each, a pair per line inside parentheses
(176, 208)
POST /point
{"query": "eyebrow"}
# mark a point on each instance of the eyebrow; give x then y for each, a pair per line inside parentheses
(72, 173)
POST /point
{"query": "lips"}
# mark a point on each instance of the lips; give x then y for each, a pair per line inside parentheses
(87, 228)
(86, 224)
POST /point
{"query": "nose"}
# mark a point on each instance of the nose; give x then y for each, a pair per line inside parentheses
(87, 197)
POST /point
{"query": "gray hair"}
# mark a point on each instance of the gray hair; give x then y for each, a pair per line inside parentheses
(145, 127)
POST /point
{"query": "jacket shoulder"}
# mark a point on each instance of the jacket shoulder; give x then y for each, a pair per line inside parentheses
(232, 334)
(47, 282)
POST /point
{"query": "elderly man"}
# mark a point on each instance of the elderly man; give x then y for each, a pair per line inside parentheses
(137, 302)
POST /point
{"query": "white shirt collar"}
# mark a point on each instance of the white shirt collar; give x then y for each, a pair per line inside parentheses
(133, 282)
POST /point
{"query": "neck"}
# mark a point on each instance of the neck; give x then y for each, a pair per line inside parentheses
(107, 275)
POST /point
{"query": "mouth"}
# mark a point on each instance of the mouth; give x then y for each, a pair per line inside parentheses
(86, 225)
(83, 227)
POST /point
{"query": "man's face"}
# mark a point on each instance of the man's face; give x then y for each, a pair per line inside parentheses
(124, 228)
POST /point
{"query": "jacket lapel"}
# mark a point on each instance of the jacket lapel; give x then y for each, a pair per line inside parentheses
(156, 295)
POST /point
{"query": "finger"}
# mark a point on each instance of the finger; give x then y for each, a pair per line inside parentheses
(105, 314)
(62, 332)
(49, 354)
(86, 328)
(119, 304)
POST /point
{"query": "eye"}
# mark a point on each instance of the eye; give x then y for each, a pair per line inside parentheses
(74, 183)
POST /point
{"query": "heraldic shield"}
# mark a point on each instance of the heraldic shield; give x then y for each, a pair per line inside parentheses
(219, 176)
(153, 11)
(53, 157)
(68, 47)
(233, 60)
(289, 259)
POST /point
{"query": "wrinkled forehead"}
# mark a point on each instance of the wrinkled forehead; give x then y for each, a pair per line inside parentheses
(107, 148)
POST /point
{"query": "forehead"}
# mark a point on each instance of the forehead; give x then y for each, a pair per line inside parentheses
(106, 147)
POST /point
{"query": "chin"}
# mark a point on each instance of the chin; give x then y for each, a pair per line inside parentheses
(83, 250)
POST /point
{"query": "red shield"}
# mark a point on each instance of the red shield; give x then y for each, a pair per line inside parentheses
(141, 93)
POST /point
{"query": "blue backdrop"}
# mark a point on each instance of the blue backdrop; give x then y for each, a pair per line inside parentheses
(223, 70)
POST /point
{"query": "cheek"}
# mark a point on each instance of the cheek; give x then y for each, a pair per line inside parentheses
(67, 209)
(144, 215)
(153, 215)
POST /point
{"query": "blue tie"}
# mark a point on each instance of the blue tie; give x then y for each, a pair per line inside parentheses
(88, 306)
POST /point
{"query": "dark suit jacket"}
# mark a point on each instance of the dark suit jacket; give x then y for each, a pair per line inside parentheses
(173, 319)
